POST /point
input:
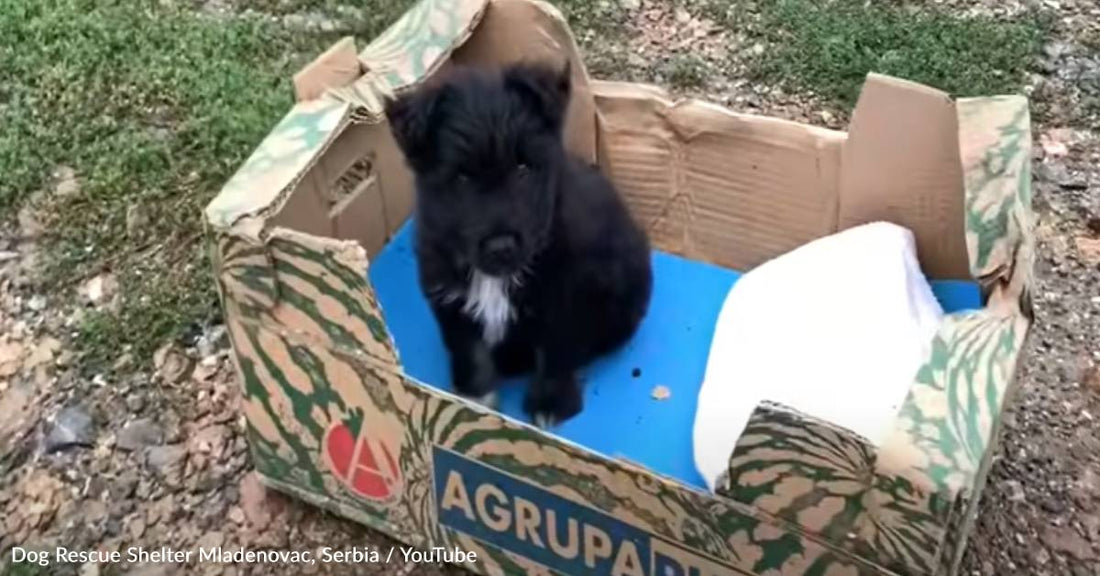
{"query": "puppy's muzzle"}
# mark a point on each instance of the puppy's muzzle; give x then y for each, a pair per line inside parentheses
(499, 254)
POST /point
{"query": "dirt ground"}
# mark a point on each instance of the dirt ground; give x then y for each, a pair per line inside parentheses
(157, 456)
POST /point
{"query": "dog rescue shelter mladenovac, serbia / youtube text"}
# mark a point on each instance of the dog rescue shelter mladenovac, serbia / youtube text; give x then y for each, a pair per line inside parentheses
(345, 379)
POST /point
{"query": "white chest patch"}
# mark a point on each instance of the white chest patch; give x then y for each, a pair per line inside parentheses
(487, 302)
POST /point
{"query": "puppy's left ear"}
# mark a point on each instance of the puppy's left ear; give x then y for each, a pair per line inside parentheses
(410, 116)
(547, 87)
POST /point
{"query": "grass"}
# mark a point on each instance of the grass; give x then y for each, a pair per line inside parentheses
(685, 71)
(828, 47)
(154, 108)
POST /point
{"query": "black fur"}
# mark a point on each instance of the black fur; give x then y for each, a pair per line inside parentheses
(498, 193)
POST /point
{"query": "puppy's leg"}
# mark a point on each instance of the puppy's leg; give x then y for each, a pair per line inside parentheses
(555, 394)
(472, 372)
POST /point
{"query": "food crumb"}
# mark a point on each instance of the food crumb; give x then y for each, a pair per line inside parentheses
(661, 393)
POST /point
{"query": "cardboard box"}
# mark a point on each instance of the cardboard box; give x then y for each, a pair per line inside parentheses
(333, 420)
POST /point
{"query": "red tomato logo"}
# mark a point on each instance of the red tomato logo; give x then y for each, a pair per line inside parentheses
(364, 465)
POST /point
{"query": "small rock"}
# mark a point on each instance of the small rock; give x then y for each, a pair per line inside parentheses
(1015, 491)
(630, 5)
(206, 369)
(29, 226)
(210, 440)
(214, 340)
(1066, 540)
(89, 569)
(71, 427)
(11, 353)
(138, 434)
(123, 362)
(6, 255)
(260, 505)
(1053, 148)
(171, 363)
(137, 218)
(37, 303)
(236, 515)
(1089, 249)
(65, 182)
(136, 528)
(1093, 224)
(65, 358)
(135, 403)
(210, 540)
(101, 288)
(124, 486)
(42, 354)
(661, 393)
(167, 461)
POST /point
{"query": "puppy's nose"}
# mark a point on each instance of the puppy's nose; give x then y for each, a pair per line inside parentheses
(501, 248)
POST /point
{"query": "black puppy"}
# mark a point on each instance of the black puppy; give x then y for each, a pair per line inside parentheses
(527, 255)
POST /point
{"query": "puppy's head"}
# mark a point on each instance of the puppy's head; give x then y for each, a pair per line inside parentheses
(486, 149)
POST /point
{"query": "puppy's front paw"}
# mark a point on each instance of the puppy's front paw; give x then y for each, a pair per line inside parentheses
(553, 401)
(490, 400)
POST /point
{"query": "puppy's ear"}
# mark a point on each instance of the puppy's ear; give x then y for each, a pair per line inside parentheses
(410, 118)
(546, 87)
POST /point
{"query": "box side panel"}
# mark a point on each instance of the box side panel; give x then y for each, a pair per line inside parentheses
(439, 472)
(901, 164)
(710, 184)
(995, 152)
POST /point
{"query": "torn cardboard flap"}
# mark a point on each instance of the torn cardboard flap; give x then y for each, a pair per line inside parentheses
(901, 164)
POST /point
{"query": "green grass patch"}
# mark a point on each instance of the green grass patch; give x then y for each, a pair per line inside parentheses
(828, 47)
(685, 71)
(597, 20)
(154, 108)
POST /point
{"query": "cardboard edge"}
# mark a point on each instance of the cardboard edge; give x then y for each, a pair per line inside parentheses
(433, 48)
(337, 66)
(872, 163)
(995, 142)
(260, 186)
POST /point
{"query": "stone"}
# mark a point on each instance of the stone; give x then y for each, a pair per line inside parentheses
(167, 462)
(139, 434)
(1089, 249)
(260, 505)
(100, 289)
(66, 183)
(42, 354)
(11, 356)
(71, 427)
(1015, 491)
(212, 341)
(210, 540)
(1066, 540)
(172, 364)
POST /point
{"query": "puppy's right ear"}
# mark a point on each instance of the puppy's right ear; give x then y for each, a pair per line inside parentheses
(410, 116)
